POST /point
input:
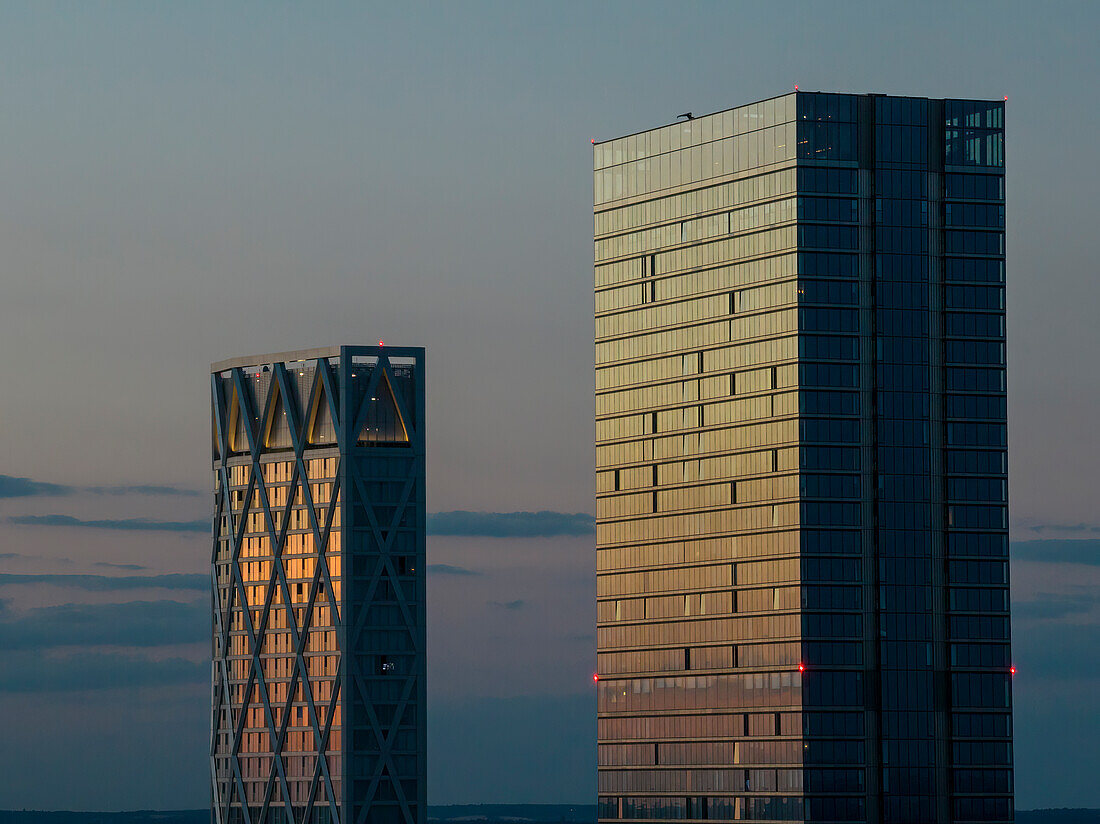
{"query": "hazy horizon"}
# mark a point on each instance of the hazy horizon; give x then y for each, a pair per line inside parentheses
(187, 183)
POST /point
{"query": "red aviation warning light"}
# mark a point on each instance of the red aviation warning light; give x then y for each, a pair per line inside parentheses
(801, 667)
(381, 343)
(1012, 670)
(595, 677)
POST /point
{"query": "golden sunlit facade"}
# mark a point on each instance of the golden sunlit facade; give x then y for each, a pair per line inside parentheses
(318, 646)
(697, 470)
(801, 465)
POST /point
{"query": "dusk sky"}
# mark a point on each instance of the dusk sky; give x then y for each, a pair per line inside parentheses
(182, 183)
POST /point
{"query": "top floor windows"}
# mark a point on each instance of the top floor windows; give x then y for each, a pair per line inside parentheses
(974, 147)
(975, 133)
(981, 114)
(901, 111)
(833, 108)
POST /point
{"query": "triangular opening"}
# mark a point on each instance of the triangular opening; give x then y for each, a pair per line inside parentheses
(301, 381)
(321, 427)
(239, 424)
(277, 434)
(383, 423)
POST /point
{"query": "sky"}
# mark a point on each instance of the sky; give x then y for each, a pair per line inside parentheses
(182, 183)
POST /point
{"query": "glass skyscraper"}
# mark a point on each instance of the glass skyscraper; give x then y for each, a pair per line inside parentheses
(802, 569)
(318, 588)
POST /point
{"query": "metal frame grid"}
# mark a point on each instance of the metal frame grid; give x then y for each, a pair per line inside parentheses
(374, 787)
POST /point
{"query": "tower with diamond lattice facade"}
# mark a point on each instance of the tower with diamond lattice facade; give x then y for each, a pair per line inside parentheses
(318, 683)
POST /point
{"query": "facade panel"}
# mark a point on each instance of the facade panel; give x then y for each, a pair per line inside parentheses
(801, 508)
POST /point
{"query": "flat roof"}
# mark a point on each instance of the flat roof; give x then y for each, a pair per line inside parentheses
(315, 354)
(678, 121)
(777, 96)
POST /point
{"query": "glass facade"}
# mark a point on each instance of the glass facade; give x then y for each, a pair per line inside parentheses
(318, 588)
(801, 465)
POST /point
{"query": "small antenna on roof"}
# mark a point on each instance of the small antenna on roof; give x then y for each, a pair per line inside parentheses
(688, 115)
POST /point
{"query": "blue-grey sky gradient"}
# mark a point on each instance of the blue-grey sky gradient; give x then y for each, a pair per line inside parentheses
(542, 524)
(188, 182)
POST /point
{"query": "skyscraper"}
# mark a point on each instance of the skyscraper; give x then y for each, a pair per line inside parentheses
(801, 505)
(318, 588)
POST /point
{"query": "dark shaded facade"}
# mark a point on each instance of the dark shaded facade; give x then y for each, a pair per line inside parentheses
(318, 578)
(802, 546)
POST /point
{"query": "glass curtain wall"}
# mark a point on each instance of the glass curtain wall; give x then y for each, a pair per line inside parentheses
(697, 431)
(801, 464)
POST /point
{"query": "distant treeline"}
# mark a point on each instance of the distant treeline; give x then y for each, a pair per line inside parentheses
(491, 813)
(494, 813)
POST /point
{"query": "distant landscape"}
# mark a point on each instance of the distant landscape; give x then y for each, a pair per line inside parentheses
(490, 813)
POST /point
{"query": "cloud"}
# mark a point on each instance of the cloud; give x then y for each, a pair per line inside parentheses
(519, 603)
(1048, 606)
(510, 524)
(13, 487)
(1057, 650)
(144, 489)
(1079, 528)
(119, 566)
(10, 556)
(1058, 551)
(31, 643)
(130, 624)
(110, 583)
(448, 569)
(126, 524)
(36, 672)
(543, 524)
(1055, 635)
